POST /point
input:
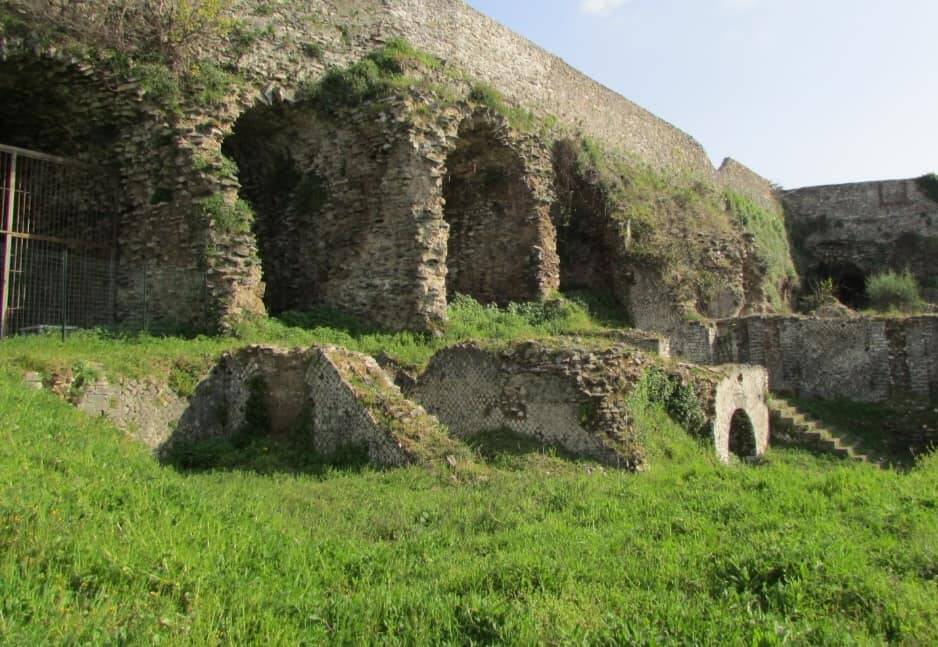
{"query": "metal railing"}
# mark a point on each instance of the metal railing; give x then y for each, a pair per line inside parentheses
(58, 232)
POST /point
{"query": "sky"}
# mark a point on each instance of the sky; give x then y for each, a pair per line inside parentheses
(804, 92)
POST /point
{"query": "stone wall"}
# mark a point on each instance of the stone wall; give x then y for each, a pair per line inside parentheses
(180, 265)
(851, 231)
(337, 398)
(576, 398)
(866, 360)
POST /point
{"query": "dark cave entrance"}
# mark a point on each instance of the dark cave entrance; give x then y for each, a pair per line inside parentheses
(288, 197)
(742, 439)
(60, 198)
(849, 283)
(491, 214)
(586, 240)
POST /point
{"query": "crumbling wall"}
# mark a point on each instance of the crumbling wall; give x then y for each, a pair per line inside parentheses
(183, 265)
(866, 360)
(497, 192)
(864, 228)
(576, 397)
(338, 398)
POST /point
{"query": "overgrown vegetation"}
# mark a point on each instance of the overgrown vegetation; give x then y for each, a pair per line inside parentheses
(820, 293)
(378, 75)
(226, 215)
(517, 116)
(676, 397)
(893, 291)
(772, 245)
(666, 223)
(103, 545)
(138, 355)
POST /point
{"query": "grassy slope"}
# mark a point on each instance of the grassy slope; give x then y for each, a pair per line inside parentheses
(100, 544)
(143, 355)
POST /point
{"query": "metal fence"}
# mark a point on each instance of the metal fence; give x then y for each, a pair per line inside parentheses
(57, 243)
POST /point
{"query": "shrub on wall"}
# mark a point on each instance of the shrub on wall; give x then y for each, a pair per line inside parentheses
(893, 291)
(228, 217)
(168, 31)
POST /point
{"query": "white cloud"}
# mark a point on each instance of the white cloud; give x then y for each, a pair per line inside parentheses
(600, 7)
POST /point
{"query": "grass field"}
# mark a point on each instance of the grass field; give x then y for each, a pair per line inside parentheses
(101, 545)
(266, 544)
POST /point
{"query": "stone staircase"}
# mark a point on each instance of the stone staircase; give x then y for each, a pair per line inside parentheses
(791, 426)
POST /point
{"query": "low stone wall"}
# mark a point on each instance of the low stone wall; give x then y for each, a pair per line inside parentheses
(338, 398)
(576, 398)
(866, 360)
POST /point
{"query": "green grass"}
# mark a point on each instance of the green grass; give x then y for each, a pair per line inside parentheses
(181, 358)
(101, 545)
(771, 242)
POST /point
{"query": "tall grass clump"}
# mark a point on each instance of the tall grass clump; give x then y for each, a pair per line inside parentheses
(893, 291)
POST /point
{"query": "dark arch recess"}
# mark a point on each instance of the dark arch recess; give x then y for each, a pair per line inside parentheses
(489, 208)
(742, 437)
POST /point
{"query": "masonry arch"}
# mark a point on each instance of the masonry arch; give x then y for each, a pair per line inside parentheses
(492, 215)
(273, 181)
(586, 239)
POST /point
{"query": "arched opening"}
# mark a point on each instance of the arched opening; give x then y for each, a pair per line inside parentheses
(585, 240)
(280, 182)
(491, 212)
(849, 283)
(742, 438)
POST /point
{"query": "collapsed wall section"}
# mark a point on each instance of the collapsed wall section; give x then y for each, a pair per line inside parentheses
(335, 398)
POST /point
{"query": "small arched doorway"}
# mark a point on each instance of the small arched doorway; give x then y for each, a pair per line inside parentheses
(742, 437)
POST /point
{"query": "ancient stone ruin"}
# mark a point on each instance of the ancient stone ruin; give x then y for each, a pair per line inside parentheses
(576, 397)
(380, 158)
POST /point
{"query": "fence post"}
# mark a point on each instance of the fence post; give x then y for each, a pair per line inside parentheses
(145, 297)
(64, 291)
(7, 225)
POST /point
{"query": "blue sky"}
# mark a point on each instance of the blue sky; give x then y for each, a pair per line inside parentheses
(803, 91)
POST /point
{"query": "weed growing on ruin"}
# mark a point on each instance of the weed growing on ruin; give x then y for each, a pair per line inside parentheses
(228, 216)
(667, 223)
(894, 291)
(674, 396)
(133, 354)
(772, 245)
(518, 118)
(378, 75)
(103, 545)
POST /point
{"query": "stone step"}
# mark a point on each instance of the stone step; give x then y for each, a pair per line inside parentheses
(812, 432)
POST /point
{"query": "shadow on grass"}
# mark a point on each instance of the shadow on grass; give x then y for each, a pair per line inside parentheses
(265, 455)
(504, 447)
